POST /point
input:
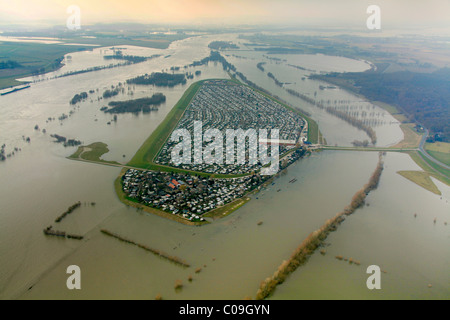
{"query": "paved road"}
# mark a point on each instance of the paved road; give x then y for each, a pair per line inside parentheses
(421, 148)
(425, 153)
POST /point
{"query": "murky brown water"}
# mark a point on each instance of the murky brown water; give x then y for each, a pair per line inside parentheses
(38, 184)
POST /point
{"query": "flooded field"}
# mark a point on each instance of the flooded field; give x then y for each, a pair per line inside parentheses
(235, 253)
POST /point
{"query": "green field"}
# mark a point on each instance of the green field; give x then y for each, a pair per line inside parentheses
(93, 152)
(422, 179)
(32, 57)
(45, 57)
(440, 151)
(430, 167)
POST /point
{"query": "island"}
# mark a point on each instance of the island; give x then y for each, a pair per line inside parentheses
(194, 194)
(159, 79)
(145, 105)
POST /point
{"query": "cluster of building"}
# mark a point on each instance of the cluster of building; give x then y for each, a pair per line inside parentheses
(186, 196)
(223, 105)
(190, 196)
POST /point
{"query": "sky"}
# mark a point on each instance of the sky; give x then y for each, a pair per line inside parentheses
(334, 13)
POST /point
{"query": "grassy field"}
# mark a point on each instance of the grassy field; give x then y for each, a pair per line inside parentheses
(440, 151)
(32, 57)
(422, 179)
(393, 110)
(46, 57)
(431, 168)
(92, 152)
(412, 138)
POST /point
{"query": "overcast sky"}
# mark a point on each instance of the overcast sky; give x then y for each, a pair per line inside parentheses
(335, 13)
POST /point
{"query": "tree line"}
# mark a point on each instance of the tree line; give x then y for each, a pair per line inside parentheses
(159, 79)
(137, 105)
(317, 238)
(423, 97)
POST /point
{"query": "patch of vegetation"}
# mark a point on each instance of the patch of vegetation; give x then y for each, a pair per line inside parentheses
(26, 59)
(78, 98)
(92, 152)
(440, 151)
(150, 149)
(227, 209)
(135, 106)
(221, 45)
(159, 79)
(316, 239)
(277, 82)
(423, 97)
(65, 141)
(111, 93)
(133, 59)
(422, 179)
(215, 56)
(411, 137)
(260, 66)
(430, 167)
(10, 64)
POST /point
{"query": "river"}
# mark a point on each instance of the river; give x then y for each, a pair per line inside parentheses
(235, 253)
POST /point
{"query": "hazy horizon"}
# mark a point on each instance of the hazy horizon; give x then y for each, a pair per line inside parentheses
(400, 14)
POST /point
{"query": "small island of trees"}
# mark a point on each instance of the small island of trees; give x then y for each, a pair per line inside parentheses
(260, 66)
(145, 105)
(10, 64)
(78, 98)
(65, 141)
(159, 79)
(215, 56)
(2, 153)
(111, 93)
(220, 45)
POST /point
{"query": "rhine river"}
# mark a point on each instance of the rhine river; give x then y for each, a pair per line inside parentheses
(235, 253)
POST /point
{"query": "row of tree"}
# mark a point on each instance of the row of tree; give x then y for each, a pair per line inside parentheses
(423, 97)
(159, 79)
(9, 64)
(138, 105)
(78, 98)
(317, 238)
(355, 122)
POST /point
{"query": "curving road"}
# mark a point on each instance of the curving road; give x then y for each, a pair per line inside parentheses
(425, 153)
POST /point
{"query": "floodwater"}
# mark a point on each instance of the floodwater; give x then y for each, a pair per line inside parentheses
(235, 254)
